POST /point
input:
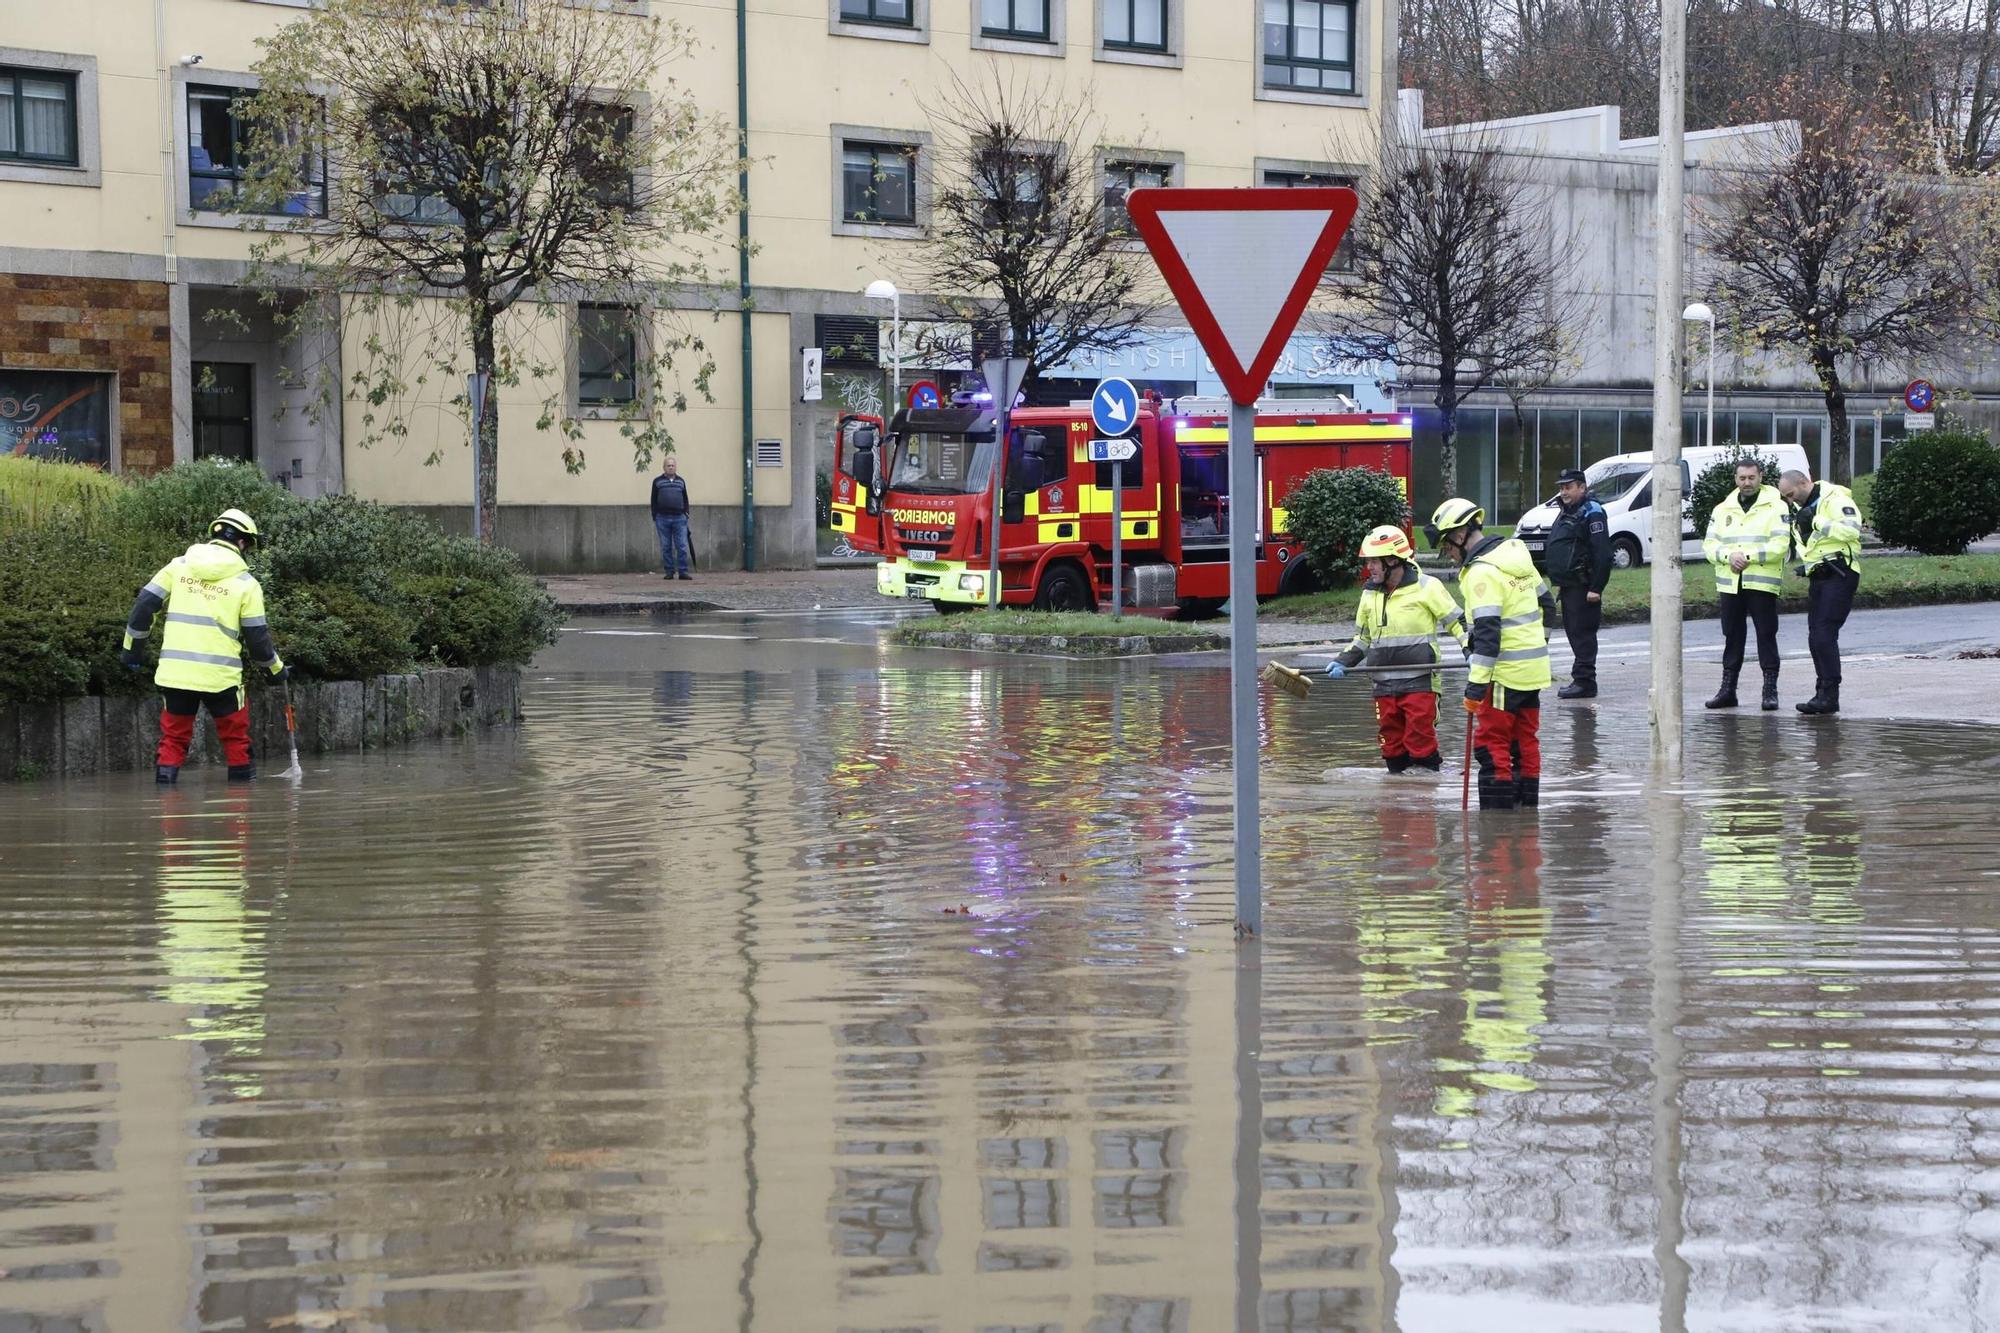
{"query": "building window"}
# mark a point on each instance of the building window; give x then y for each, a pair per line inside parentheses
(1120, 179)
(879, 183)
(605, 160)
(607, 355)
(218, 157)
(38, 117)
(896, 12)
(1135, 25)
(1342, 261)
(1014, 186)
(1018, 20)
(1309, 44)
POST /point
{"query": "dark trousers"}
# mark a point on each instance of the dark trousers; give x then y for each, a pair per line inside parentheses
(676, 557)
(1581, 618)
(1829, 597)
(1739, 609)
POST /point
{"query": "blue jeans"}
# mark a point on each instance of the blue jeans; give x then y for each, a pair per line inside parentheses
(674, 555)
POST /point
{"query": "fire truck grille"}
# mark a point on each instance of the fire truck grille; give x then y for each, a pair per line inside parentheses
(923, 536)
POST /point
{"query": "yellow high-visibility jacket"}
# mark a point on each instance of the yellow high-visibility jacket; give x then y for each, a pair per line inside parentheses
(214, 607)
(1764, 534)
(1829, 525)
(1401, 628)
(1504, 597)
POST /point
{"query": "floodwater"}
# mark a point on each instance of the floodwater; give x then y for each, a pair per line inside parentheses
(777, 979)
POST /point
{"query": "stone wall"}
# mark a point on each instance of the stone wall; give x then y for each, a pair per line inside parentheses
(620, 539)
(80, 737)
(106, 325)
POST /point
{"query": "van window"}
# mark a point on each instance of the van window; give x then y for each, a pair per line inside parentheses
(1613, 482)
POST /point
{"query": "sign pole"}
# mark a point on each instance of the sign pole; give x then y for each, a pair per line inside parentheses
(1243, 505)
(1003, 375)
(1667, 699)
(1118, 539)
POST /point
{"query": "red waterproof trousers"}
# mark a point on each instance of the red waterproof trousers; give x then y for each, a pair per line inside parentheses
(1407, 724)
(1509, 742)
(232, 725)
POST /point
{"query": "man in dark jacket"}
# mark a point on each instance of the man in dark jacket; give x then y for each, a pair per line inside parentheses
(670, 520)
(1579, 565)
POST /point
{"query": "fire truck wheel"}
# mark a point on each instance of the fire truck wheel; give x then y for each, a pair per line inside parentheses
(1300, 578)
(1200, 608)
(1064, 588)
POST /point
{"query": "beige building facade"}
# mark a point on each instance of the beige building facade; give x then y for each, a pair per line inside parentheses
(118, 279)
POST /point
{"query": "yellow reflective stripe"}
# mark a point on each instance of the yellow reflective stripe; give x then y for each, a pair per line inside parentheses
(1482, 660)
(1295, 434)
(1482, 610)
(206, 659)
(1523, 654)
(1531, 618)
(209, 622)
(1763, 580)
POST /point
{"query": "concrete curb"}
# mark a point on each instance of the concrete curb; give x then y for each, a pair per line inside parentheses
(1066, 645)
(119, 734)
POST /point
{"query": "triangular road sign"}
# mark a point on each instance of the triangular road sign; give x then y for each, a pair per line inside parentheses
(1243, 264)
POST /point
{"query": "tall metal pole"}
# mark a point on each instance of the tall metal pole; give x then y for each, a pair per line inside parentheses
(1118, 539)
(1000, 411)
(743, 308)
(1244, 506)
(1667, 329)
(896, 337)
(1711, 377)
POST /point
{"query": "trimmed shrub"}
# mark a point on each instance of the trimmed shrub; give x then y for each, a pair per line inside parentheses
(1718, 480)
(182, 500)
(35, 491)
(335, 633)
(462, 622)
(1332, 509)
(1937, 492)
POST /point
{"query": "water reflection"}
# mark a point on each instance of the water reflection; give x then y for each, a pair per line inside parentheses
(803, 995)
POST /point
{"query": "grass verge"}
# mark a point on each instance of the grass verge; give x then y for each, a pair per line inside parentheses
(1052, 624)
(1909, 580)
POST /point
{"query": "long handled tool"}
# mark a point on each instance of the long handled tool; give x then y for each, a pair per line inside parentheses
(1465, 782)
(294, 773)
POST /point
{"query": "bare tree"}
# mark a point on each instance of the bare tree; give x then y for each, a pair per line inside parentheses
(421, 170)
(1457, 264)
(1829, 255)
(1022, 234)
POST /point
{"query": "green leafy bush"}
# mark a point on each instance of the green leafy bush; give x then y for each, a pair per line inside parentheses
(1937, 492)
(1332, 509)
(182, 500)
(464, 622)
(35, 491)
(1718, 480)
(333, 633)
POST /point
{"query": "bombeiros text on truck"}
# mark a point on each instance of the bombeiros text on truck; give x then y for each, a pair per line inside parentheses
(924, 494)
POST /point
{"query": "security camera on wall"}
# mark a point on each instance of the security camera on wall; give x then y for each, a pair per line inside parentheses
(191, 60)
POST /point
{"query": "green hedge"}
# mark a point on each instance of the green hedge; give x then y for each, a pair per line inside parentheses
(354, 589)
(1937, 493)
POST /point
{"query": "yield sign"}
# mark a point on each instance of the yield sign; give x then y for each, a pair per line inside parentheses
(1243, 264)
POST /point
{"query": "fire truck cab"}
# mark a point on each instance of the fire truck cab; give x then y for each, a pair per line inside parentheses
(1055, 504)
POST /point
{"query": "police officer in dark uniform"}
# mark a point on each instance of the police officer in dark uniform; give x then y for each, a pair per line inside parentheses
(1578, 557)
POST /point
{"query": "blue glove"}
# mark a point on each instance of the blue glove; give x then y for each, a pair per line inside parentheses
(1334, 671)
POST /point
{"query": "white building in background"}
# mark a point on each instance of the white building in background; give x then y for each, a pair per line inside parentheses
(1601, 191)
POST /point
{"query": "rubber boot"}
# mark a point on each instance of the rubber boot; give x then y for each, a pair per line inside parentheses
(167, 774)
(1430, 763)
(1726, 696)
(1817, 704)
(1527, 792)
(242, 772)
(1770, 704)
(1395, 763)
(1493, 793)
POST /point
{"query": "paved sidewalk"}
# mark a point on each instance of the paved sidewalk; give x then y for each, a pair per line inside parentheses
(731, 590)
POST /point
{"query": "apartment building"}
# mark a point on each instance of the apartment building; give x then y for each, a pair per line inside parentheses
(127, 336)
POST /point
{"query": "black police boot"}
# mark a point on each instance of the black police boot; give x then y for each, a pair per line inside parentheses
(1830, 701)
(167, 774)
(1527, 792)
(1578, 689)
(1395, 763)
(242, 772)
(1816, 704)
(1770, 704)
(1429, 763)
(1726, 696)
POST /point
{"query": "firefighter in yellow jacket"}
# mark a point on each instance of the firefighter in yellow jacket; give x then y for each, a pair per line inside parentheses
(1396, 628)
(215, 610)
(1510, 607)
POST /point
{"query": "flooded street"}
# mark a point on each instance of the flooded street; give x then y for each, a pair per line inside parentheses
(774, 978)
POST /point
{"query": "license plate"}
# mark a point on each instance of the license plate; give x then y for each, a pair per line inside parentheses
(1532, 543)
(919, 593)
(922, 557)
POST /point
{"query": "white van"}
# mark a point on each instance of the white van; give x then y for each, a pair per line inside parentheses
(1623, 484)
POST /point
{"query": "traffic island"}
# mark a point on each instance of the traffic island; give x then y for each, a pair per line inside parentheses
(1058, 634)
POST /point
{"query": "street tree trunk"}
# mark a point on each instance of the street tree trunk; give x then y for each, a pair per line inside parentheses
(1839, 452)
(486, 477)
(1447, 405)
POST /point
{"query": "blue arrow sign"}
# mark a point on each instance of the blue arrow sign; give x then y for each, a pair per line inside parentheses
(1115, 406)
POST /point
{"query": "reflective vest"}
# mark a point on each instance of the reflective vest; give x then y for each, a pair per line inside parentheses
(1401, 628)
(1829, 525)
(210, 596)
(1501, 584)
(1764, 534)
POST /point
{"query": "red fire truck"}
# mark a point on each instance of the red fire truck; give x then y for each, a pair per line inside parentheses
(857, 444)
(1055, 520)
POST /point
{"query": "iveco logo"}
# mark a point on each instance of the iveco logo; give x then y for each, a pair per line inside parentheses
(914, 535)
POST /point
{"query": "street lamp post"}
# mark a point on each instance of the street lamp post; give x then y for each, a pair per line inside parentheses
(1698, 311)
(883, 290)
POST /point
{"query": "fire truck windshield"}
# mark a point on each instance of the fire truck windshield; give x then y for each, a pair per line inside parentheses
(943, 464)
